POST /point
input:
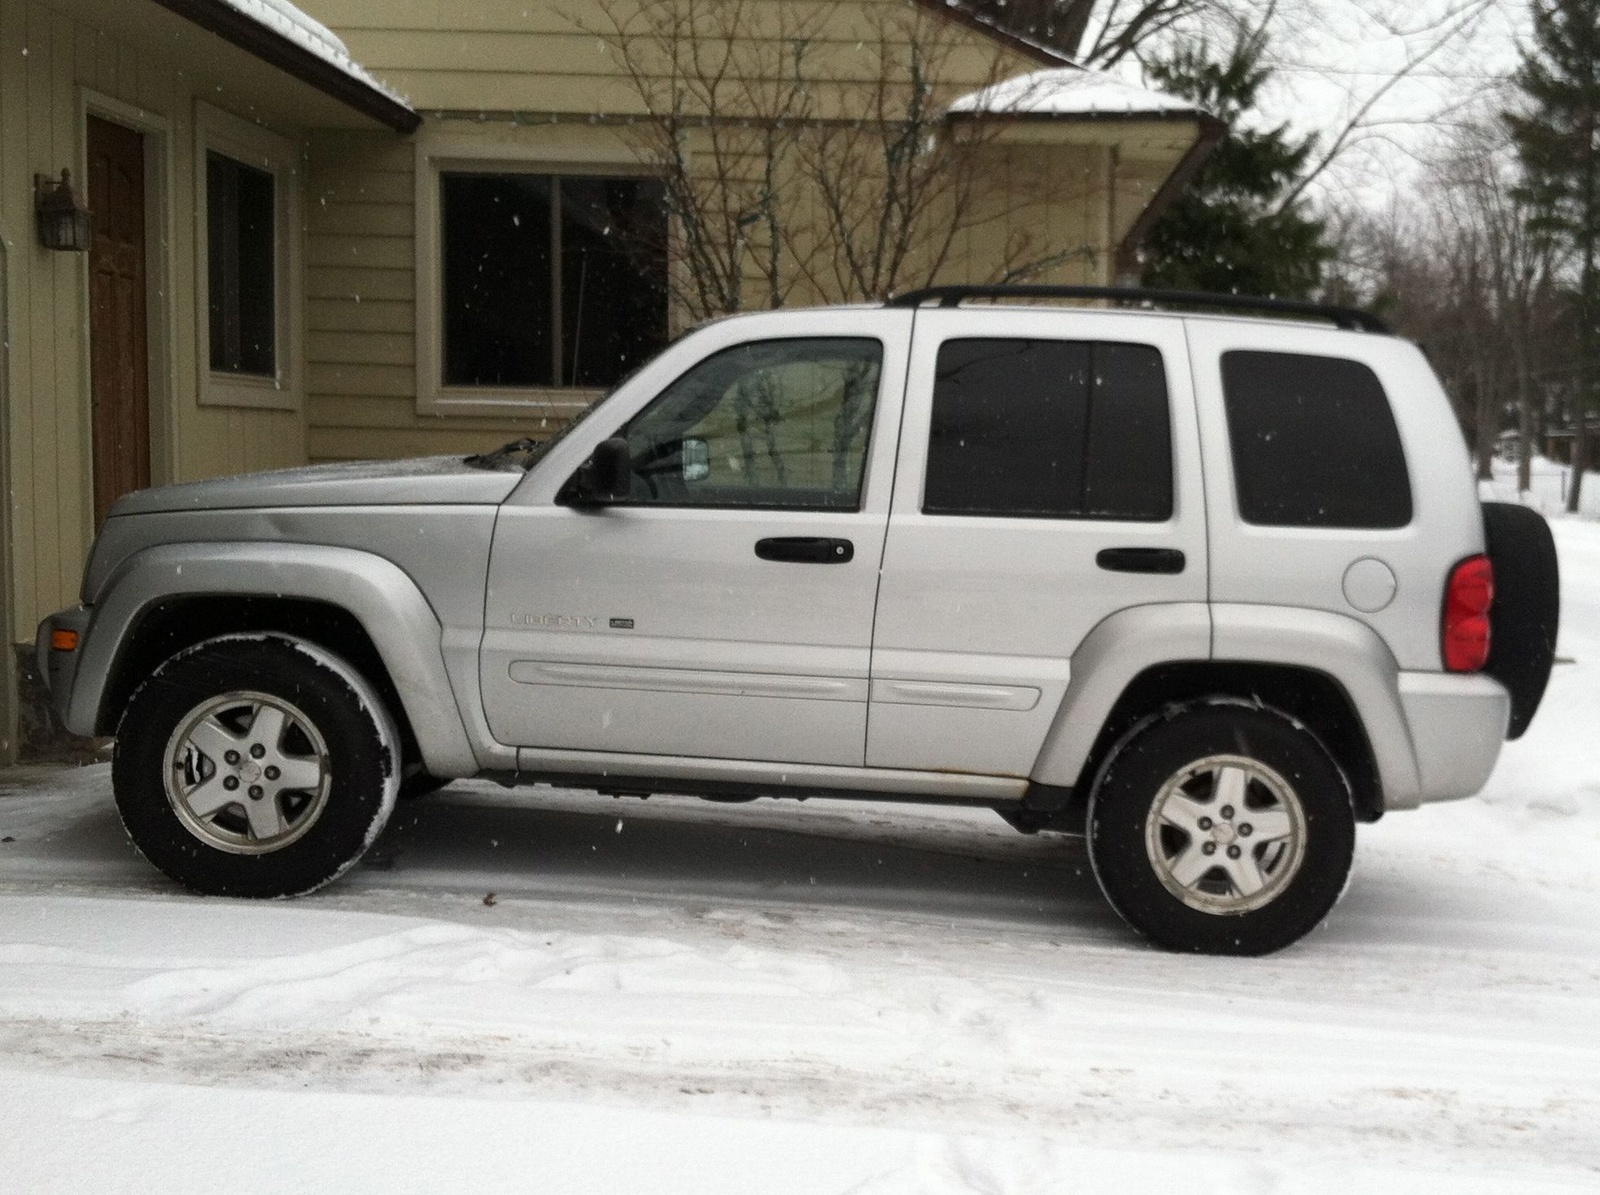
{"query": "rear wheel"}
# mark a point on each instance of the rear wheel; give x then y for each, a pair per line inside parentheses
(1222, 829)
(255, 766)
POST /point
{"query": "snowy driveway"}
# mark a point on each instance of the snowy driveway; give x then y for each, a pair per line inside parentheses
(678, 996)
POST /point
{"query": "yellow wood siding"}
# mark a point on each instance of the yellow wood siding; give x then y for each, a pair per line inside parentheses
(52, 55)
(499, 56)
(361, 389)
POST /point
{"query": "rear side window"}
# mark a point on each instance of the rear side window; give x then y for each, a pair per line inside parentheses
(1050, 429)
(1314, 442)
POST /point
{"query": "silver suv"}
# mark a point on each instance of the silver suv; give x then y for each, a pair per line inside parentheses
(1207, 589)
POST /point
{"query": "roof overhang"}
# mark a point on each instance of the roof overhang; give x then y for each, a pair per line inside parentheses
(1071, 104)
(237, 27)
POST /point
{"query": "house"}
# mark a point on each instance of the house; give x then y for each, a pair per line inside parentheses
(375, 228)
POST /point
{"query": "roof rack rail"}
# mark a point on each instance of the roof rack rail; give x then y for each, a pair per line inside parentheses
(1349, 318)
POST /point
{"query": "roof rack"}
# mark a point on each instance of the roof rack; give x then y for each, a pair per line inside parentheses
(1349, 318)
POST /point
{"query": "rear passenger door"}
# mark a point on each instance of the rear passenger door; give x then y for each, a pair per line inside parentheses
(1048, 477)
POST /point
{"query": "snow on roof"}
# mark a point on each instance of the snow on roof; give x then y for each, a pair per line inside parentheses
(284, 19)
(1069, 91)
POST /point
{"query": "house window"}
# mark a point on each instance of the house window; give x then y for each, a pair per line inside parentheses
(241, 206)
(549, 281)
(247, 263)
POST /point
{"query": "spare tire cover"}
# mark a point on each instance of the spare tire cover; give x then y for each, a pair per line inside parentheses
(1527, 606)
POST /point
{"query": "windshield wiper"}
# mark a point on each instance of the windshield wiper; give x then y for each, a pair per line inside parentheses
(526, 447)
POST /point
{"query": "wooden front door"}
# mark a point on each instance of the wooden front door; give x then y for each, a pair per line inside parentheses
(119, 354)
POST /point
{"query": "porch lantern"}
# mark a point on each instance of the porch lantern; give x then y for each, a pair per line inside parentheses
(63, 218)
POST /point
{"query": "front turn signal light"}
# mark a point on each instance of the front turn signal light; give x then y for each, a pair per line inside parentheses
(62, 640)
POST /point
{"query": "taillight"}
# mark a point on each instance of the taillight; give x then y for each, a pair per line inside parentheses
(1467, 599)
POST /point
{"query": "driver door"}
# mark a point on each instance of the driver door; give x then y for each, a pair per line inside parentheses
(724, 609)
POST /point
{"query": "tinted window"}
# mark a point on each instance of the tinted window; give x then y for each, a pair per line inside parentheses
(241, 266)
(1314, 442)
(780, 423)
(1049, 428)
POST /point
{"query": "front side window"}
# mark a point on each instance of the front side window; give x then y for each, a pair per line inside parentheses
(242, 254)
(1314, 442)
(1049, 429)
(778, 423)
(550, 281)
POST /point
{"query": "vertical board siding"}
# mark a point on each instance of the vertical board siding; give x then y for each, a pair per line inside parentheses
(361, 389)
(48, 57)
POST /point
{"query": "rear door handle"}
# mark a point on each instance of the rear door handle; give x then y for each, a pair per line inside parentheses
(806, 549)
(1140, 560)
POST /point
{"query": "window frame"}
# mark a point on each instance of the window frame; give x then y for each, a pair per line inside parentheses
(220, 132)
(457, 153)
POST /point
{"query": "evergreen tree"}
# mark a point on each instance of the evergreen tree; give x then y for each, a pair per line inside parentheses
(1557, 134)
(1230, 231)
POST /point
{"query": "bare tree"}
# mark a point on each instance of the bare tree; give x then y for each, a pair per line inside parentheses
(1460, 271)
(848, 188)
(725, 97)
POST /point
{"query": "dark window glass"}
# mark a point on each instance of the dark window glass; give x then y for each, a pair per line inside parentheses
(497, 294)
(774, 423)
(241, 245)
(1314, 442)
(1049, 428)
(614, 277)
(551, 281)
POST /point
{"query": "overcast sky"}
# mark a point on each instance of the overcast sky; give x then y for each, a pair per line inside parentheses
(1333, 56)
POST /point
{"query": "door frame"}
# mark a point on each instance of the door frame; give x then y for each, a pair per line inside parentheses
(8, 655)
(159, 244)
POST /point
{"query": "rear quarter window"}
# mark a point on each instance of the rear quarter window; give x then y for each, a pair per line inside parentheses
(1314, 442)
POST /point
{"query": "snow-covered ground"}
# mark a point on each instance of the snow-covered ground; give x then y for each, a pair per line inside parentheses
(676, 996)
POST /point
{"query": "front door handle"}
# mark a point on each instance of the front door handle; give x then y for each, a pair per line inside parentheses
(1140, 560)
(806, 549)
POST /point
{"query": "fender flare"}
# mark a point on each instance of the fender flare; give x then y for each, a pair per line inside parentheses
(1131, 641)
(378, 593)
(1117, 650)
(1352, 654)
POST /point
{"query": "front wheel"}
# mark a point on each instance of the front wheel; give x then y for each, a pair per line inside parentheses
(255, 766)
(1221, 829)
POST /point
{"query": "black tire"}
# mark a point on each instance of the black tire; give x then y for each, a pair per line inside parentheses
(270, 839)
(1180, 764)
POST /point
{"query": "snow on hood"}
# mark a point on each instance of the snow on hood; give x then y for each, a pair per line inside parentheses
(289, 22)
(1068, 91)
(423, 481)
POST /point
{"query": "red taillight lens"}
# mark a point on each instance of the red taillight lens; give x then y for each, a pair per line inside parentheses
(1467, 599)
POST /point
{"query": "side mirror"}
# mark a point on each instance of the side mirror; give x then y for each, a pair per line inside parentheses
(607, 476)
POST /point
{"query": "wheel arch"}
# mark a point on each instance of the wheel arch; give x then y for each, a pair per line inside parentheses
(1304, 696)
(353, 604)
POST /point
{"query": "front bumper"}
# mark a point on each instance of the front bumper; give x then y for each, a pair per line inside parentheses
(1457, 724)
(59, 668)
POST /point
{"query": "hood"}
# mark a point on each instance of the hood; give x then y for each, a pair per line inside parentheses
(432, 480)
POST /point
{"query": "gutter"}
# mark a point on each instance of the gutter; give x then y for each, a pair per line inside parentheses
(273, 48)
